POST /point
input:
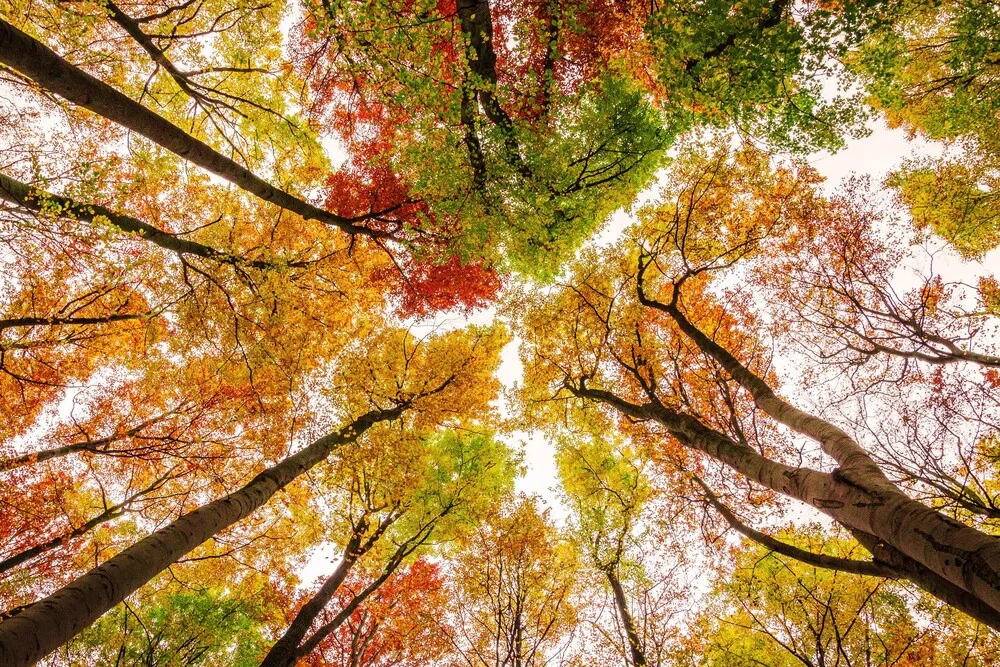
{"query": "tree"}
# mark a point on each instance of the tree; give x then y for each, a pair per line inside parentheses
(778, 611)
(927, 67)
(228, 230)
(624, 342)
(837, 280)
(442, 484)
(29, 633)
(180, 627)
(512, 589)
(396, 625)
(615, 517)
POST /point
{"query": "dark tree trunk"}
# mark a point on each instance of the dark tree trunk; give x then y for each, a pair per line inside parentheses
(98, 446)
(283, 651)
(34, 199)
(397, 558)
(621, 605)
(39, 63)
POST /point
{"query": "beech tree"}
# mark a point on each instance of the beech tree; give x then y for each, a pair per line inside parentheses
(512, 597)
(638, 339)
(240, 242)
(27, 635)
(925, 66)
(617, 514)
(447, 481)
(396, 625)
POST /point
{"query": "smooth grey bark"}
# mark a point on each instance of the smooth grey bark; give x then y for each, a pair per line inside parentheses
(45, 625)
(937, 586)
(857, 493)
(861, 567)
(834, 441)
(43, 66)
(956, 553)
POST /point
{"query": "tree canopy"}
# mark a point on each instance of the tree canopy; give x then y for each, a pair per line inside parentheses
(296, 296)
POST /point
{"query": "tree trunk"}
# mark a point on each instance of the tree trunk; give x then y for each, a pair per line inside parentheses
(45, 625)
(944, 590)
(957, 553)
(621, 604)
(835, 442)
(37, 62)
(41, 201)
(283, 650)
(17, 322)
(99, 446)
(857, 494)
(397, 558)
(887, 562)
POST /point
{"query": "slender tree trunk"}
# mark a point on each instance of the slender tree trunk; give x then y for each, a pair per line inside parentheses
(40, 201)
(14, 322)
(887, 562)
(45, 625)
(39, 63)
(56, 452)
(108, 514)
(873, 568)
(621, 604)
(834, 441)
(284, 649)
(952, 354)
(401, 553)
(477, 26)
(356, 648)
(97, 446)
(358, 656)
(518, 644)
(134, 31)
(310, 644)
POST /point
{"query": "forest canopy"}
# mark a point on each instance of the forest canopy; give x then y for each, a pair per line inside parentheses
(297, 296)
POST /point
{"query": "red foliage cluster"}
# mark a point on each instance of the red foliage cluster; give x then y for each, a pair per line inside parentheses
(570, 43)
(992, 377)
(397, 625)
(422, 288)
(368, 188)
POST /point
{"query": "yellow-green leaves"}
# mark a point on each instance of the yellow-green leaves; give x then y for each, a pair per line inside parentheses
(956, 199)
